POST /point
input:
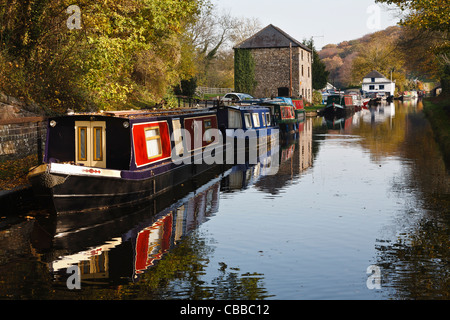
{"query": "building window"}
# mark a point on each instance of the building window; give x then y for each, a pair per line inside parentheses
(308, 73)
(302, 70)
(372, 79)
(302, 55)
(371, 87)
(381, 87)
(153, 141)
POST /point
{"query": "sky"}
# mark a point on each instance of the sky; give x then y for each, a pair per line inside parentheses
(327, 21)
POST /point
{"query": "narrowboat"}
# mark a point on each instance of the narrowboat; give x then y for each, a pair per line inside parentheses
(251, 124)
(336, 107)
(299, 108)
(283, 115)
(99, 160)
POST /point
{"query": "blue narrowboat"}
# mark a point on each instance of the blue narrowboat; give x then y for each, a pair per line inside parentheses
(249, 121)
(97, 160)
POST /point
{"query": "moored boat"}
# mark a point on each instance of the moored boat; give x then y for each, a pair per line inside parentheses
(336, 106)
(252, 123)
(95, 160)
(283, 115)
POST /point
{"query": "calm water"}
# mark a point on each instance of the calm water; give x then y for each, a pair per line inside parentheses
(351, 200)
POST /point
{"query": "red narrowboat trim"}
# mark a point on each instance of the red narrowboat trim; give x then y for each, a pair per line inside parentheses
(208, 122)
(152, 243)
(298, 104)
(141, 154)
(287, 112)
(348, 100)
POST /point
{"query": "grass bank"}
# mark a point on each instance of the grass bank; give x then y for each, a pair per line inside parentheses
(437, 110)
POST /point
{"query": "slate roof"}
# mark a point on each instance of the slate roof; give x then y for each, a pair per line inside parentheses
(270, 37)
(375, 74)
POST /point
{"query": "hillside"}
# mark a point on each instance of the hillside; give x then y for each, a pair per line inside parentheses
(339, 58)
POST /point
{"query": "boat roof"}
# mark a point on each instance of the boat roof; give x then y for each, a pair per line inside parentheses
(248, 107)
(144, 113)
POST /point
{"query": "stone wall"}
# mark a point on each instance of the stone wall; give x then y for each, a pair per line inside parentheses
(272, 71)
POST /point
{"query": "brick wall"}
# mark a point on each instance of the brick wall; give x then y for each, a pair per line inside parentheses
(19, 140)
(22, 132)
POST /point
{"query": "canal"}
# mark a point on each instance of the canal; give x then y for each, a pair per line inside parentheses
(358, 209)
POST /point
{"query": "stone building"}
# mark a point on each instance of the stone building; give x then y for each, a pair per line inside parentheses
(280, 61)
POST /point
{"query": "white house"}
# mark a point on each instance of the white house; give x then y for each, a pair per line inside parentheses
(375, 82)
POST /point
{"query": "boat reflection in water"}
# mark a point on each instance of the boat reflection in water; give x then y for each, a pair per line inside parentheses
(135, 238)
(140, 237)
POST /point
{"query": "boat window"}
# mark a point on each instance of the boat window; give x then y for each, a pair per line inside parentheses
(82, 143)
(153, 141)
(283, 112)
(263, 119)
(268, 119)
(234, 119)
(256, 120)
(98, 152)
(178, 140)
(248, 120)
(208, 133)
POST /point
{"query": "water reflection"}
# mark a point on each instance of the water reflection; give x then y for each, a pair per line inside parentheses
(348, 193)
(295, 157)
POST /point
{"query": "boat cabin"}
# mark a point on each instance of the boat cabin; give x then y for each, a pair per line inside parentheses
(334, 99)
(127, 140)
(283, 114)
(244, 117)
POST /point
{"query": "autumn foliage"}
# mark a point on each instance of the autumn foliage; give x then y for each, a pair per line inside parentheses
(125, 51)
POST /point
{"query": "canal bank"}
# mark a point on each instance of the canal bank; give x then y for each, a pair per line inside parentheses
(437, 110)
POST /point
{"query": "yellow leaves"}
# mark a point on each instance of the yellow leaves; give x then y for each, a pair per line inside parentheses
(13, 173)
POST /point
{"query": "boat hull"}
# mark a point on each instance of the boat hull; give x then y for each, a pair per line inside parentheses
(65, 192)
(336, 111)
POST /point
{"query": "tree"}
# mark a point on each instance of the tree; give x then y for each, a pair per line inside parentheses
(424, 14)
(318, 68)
(333, 66)
(431, 16)
(125, 50)
(381, 53)
(208, 33)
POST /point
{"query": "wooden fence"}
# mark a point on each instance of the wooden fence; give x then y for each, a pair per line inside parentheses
(219, 91)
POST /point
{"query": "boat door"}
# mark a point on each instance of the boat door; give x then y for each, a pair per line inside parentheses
(90, 143)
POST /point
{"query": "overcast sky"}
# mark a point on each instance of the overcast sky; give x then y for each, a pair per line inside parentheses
(328, 21)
